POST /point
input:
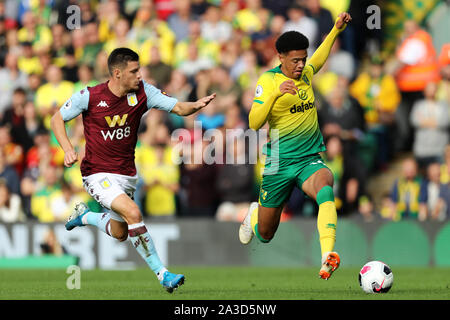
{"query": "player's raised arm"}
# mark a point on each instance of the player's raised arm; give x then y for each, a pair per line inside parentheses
(71, 109)
(321, 54)
(187, 108)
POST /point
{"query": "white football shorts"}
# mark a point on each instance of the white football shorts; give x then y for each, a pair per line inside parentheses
(105, 187)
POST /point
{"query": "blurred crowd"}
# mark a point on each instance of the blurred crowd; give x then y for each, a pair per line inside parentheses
(374, 104)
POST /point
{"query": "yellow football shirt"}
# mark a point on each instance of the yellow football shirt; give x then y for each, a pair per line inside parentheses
(294, 127)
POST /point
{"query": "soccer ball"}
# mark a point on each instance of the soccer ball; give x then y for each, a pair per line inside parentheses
(375, 277)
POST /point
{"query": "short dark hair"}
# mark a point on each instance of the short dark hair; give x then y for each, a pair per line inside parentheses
(291, 40)
(120, 57)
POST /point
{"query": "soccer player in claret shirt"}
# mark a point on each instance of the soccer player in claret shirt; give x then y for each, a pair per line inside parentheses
(284, 97)
(111, 115)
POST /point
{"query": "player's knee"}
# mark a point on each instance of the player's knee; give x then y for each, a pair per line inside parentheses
(134, 215)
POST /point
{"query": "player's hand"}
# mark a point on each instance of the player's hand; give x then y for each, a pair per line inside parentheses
(288, 86)
(70, 157)
(342, 20)
(203, 102)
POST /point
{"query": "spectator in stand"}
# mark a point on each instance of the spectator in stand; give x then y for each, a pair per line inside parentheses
(228, 92)
(53, 94)
(179, 86)
(347, 176)
(30, 126)
(434, 206)
(43, 152)
(45, 190)
(101, 73)
(263, 44)
(10, 79)
(205, 49)
(198, 195)
(230, 53)
(32, 31)
(29, 62)
(3, 46)
(108, 14)
(213, 27)
(234, 182)
(246, 69)
(342, 115)
(12, 42)
(278, 7)
(379, 97)
(121, 38)
(13, 116)
(443, 93)
(445, 166)
(299, 21)
(34, 82)
(159, 71)
(161, 37)
(10, 205)
(194, 63)
(417, 65)
(247, 19)
(179, 21)
(341, 62)
(62, 203)
(62, 53)
(407, 194)
(140, 27)
(430, 119)
(9, 174)
(13, 151)
(86, 78)
(321, 16)
(78, 42)
(91, 44)
(211, 117)
(159, 173)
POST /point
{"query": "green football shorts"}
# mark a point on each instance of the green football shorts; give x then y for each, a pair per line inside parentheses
(280, 176)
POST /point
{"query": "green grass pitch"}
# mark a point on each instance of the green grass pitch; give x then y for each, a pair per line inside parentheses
(222, 283)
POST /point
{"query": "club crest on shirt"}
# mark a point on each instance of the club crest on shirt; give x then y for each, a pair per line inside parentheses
(302, 94)
(132, 99)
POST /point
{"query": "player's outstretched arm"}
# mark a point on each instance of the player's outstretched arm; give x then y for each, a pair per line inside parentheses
(188, 108)
(321, 54)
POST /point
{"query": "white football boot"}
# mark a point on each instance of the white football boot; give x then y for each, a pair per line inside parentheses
(245, 230)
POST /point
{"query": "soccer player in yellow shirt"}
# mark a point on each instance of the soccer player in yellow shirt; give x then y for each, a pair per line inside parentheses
(284, 97)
